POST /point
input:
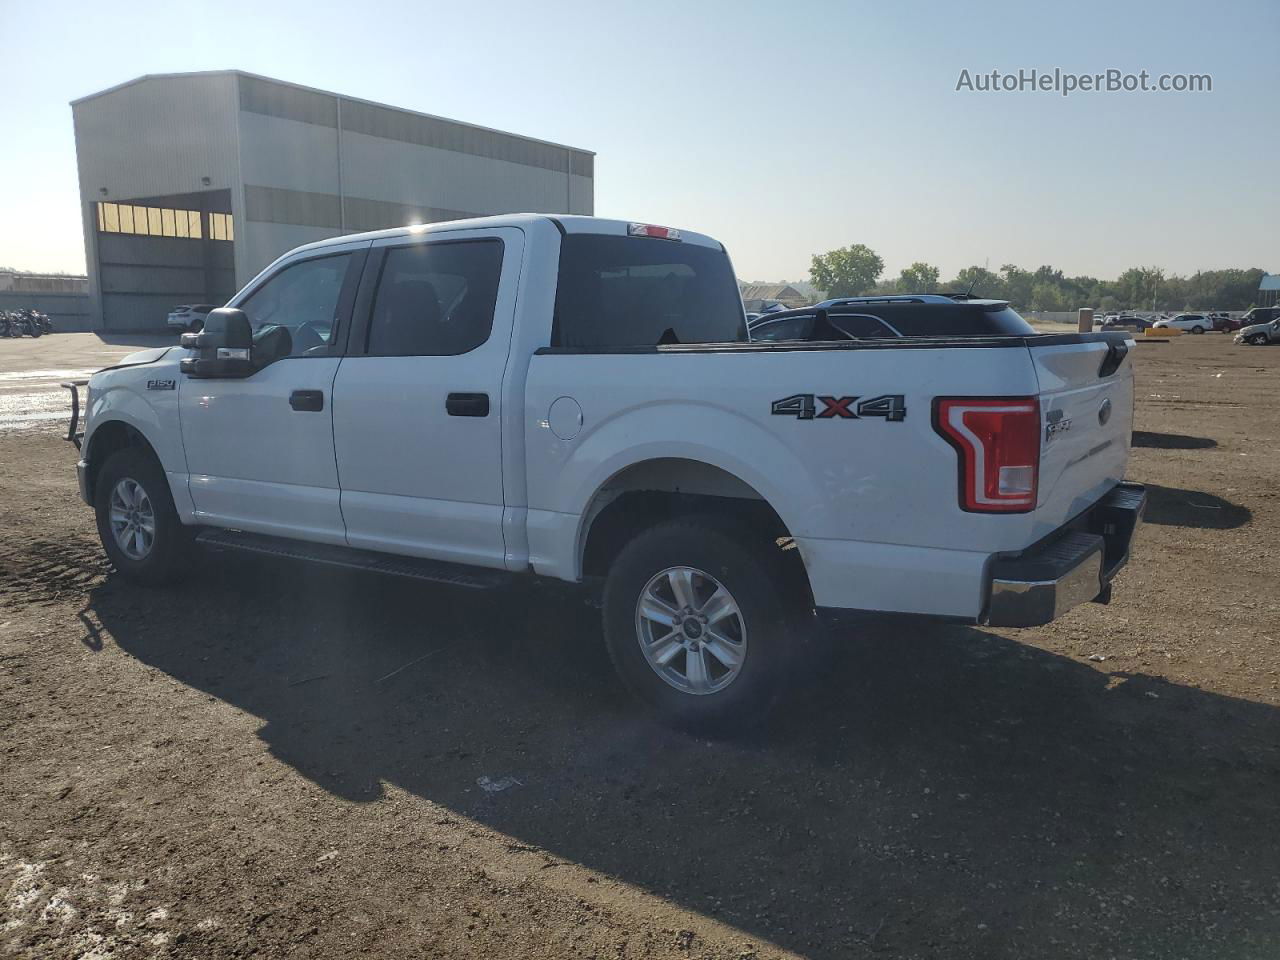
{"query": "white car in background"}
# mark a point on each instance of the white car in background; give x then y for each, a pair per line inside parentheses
(1191, 322)
(189, 317)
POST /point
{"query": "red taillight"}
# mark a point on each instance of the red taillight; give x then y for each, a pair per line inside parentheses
(998, 441)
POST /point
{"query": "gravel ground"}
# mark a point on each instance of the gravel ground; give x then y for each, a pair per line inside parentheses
(276, 760)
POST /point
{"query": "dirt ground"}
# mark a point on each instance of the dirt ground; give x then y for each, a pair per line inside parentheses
(274, 760)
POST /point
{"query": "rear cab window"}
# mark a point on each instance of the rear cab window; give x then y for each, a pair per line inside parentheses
(617, 292)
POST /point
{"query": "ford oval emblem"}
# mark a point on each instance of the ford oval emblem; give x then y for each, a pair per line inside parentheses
(1104, 412)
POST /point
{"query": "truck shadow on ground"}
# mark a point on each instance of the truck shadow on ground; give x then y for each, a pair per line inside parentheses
(1171, 441)
(934, 791)
(1193, 508)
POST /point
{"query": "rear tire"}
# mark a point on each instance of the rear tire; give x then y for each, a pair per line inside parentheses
(699, 626)
(1197, 329)
(195, 326)
(137, 522)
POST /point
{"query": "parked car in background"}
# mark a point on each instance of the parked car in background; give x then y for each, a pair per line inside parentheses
(887, 318)
(1256, 315)
(1260, 333)
(1191, 322)
(1125, 322)
(189, 317)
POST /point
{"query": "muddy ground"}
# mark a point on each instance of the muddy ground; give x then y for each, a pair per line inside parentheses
(275, 760)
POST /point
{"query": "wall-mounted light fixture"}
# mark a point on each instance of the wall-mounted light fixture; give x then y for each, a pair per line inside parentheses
(103, 191)
(206, 181)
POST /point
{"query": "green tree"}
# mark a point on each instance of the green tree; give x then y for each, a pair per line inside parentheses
(847, 271)
(1017, 285)
(918, 278)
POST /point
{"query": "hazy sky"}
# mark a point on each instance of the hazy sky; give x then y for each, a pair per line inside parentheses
(782, 128)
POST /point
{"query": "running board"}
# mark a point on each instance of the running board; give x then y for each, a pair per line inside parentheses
(477, 578)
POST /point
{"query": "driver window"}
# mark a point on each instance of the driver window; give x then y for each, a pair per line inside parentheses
(293, 313)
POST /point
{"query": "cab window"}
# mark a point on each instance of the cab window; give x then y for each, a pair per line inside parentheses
(435, 299)
(295, 312)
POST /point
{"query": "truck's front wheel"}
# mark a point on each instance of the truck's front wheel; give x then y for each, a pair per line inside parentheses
(137, 522)
(698, 625)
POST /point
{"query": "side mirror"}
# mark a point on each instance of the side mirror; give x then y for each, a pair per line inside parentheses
(223, 349)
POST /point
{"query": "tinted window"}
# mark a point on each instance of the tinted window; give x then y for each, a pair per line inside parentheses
(629, 291)
(951, 320)
(294, 312)
(861, 326)
(792, 328)
(435, 299)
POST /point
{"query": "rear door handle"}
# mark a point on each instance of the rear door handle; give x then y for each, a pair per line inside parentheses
(467, 404)
(307, 400)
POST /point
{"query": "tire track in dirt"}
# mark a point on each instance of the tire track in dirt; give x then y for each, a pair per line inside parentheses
(43, 570)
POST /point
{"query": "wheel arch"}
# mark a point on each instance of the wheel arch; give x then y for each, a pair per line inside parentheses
(108, 438)
(654, 490)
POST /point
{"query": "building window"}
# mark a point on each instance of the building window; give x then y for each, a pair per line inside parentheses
(162, 222)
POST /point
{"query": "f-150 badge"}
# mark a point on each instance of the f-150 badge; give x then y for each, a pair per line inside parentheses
(161, 384)
(804, 406)
(1055, 424)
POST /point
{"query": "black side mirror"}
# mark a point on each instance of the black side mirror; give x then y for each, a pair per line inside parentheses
(223, 349)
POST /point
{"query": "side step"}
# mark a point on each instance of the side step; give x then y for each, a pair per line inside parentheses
(477, 578)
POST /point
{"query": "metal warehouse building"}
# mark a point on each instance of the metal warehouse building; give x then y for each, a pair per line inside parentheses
(191, 183)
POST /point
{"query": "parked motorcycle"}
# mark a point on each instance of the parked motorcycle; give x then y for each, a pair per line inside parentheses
(38, 321)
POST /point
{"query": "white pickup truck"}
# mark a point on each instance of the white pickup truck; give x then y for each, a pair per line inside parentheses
(577, 398)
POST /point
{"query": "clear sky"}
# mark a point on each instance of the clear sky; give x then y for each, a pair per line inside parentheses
(783, 128)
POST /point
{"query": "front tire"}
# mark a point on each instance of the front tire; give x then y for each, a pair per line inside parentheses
(698, 625)
(137, 522)
(1258, 339)
(195, 326)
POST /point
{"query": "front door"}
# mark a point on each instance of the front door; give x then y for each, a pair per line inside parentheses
(417, 403)
(260, 450)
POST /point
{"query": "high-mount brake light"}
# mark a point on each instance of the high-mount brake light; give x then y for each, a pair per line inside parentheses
(998, 443)
(649, 230)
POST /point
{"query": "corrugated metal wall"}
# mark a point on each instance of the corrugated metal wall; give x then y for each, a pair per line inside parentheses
(316, 164)
(68, 311)
(298, 165)
(160, 138)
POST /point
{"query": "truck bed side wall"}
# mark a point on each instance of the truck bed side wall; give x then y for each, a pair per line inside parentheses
(872, 503)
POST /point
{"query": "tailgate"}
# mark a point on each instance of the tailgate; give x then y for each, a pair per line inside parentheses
(1086, 406)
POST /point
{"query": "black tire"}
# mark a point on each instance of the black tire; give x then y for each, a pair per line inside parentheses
(1197, 329)
(168, 557)
(1258, 339)
(766, 594)
(195, 326)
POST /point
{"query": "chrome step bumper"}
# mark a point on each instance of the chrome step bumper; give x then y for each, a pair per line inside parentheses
(1074, 565)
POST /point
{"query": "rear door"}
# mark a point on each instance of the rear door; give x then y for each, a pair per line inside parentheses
(1086, 411)
(417, 415)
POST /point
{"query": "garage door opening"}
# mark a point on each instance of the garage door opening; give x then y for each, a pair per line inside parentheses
(156, 253)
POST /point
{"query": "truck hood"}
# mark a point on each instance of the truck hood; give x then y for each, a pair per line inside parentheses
(150, 355)
(157, 362)
(1253, 328)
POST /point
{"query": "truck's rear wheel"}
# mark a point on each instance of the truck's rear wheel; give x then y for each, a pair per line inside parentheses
(698, 625)
(137, 522)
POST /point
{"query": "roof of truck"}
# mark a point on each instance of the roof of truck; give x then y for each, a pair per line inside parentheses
(565, 223)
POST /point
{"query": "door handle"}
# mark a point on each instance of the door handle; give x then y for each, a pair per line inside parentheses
(307, 400)
(467, 404)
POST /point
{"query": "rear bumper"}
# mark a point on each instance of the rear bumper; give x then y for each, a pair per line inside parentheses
(1074, 565)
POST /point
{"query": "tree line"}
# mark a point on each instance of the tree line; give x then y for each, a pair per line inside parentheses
(857, 270)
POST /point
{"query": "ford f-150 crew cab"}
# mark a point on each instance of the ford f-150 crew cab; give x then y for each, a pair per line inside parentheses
(577, 398)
